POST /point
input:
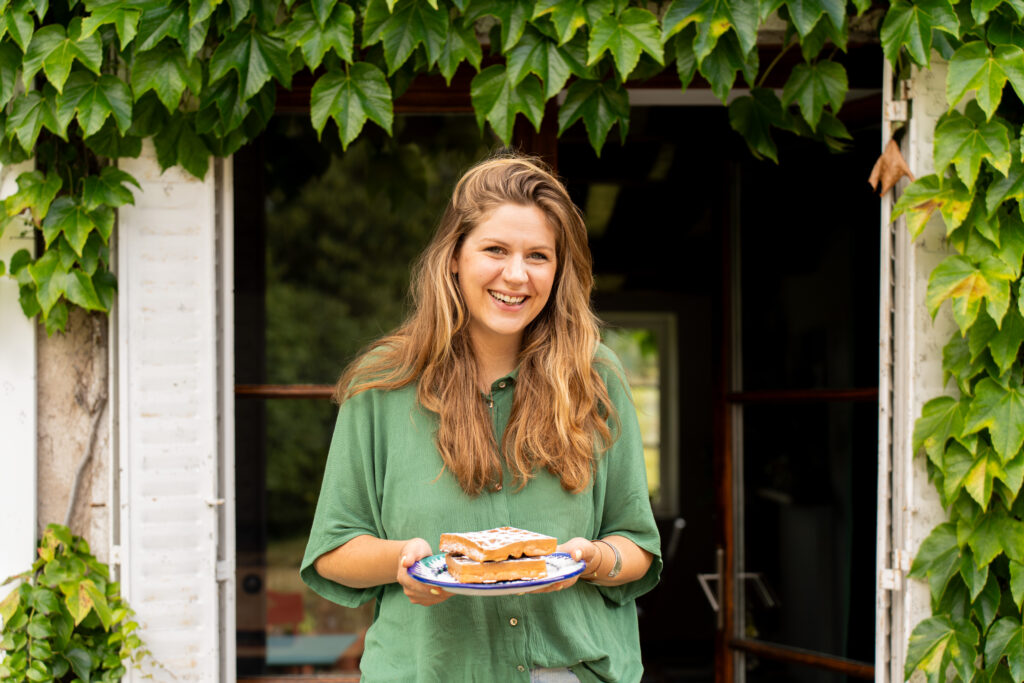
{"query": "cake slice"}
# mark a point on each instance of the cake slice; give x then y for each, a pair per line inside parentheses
(498, 544)
(465, 570)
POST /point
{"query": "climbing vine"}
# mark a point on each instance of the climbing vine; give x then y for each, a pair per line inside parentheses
(974, 563)
(83, 83)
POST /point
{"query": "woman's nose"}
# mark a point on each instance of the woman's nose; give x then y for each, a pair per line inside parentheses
(515, 270)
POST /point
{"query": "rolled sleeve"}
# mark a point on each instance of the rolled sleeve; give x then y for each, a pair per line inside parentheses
(626, 507)
(349, 504)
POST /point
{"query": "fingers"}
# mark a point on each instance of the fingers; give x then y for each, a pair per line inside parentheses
(418, 593)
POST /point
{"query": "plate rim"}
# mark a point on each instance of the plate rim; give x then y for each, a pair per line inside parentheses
(497, 585)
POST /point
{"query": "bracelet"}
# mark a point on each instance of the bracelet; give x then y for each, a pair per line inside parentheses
(617, 567)
(593, 574)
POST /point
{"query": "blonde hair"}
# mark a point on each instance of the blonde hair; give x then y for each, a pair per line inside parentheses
(561, 410)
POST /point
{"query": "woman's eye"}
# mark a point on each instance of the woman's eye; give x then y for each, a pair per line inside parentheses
(538, 256)
(494, 250)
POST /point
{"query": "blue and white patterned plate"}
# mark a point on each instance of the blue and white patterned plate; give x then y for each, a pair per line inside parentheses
(434, 571)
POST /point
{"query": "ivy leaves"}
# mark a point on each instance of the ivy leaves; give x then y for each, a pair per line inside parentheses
(67, 618)
(350, 98)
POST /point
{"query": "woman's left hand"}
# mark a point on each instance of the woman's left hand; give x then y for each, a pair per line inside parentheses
(579, 549)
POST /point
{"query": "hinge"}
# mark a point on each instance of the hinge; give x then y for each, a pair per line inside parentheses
(225, 570)
(892, 579)
(115, 554)
(897, 109)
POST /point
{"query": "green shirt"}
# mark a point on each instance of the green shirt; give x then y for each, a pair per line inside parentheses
(382, 479)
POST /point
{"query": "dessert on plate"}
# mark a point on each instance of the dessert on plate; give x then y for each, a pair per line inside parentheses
(502, 554)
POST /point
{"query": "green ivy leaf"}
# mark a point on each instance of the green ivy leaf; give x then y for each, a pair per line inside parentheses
(568, 16)
(79, 290)
(120, 13)
(601, 104)
(812, 86)
(937, 642)
(753, 117)
(49, 281)
(538, 55)
(178, 144)
(109, 188)
(10, 62)
(411, 24)
(461, 45)
(712, 18)
(91, 100)
(160, 20)
(1016, 588)
(941, 419)
(626, 36)
(956, 463)
(721, 65)
(1006, 639)
(70, 218)
(109, 142)
(986, 606)
(99, 600)
(29, 113)
(1002, 31)
(80, 661)
(54, 51)
(929, 194)
(255, 56)
(938, 559)
(975, 67)
(910, 26)
(1006, 342)
(19, 24)
(350, 98)
(957, 278)
(976, 578)
(806, 13)
(165, 71)
(1000, 410)
(978, 482)
(1009, 187)
(965, 142)
(497, 101)
(36, 192)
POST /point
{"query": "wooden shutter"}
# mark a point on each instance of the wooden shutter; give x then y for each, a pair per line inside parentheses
(174, 540)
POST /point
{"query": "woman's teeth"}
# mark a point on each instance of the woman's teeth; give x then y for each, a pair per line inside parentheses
(507, 299)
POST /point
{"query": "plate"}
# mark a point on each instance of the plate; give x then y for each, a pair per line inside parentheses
(433, 570)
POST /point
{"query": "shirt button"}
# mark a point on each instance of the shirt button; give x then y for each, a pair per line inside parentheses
(521, 667)
(490, 404)
(497, 487)
(513, 621)
(501, 385)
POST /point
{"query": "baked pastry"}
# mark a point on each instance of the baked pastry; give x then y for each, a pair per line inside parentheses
(498, 544)
(465, 570)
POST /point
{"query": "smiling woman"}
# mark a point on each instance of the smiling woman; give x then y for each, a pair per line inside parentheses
(506, 267)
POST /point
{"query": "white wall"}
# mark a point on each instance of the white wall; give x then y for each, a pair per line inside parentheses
(17, 406)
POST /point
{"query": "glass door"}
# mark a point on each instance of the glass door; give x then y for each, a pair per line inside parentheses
(797, 424)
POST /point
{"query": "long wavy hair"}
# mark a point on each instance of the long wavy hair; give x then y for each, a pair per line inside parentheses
(561, 416)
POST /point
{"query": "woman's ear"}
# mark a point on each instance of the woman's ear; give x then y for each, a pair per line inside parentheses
(455, 264)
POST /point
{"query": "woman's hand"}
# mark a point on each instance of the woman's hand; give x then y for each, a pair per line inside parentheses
(578, 549)
(417, 592)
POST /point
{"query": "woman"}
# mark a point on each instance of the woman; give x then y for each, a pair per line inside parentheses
(492, 405)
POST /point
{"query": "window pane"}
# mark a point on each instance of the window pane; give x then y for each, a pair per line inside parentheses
(638, 349)
(324, 240)
(809, 480)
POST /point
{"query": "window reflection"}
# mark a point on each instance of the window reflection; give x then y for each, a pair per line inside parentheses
(324, 242)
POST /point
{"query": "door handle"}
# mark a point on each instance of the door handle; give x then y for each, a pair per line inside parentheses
(715, 598)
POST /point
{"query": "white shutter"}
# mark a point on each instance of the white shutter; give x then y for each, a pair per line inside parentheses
(911, 374)
(17, 406)
(172, 492)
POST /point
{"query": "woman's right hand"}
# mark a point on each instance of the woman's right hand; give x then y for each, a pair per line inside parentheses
(417, 592)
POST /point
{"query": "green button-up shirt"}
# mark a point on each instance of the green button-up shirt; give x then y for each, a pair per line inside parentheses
(382, 479)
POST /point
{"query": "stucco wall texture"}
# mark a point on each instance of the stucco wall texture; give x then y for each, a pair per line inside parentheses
(72, 386)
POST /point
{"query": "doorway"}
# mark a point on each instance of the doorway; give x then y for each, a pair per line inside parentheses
(755, 331)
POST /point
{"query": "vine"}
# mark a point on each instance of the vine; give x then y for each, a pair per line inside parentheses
(973, 563)
(84, 82)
